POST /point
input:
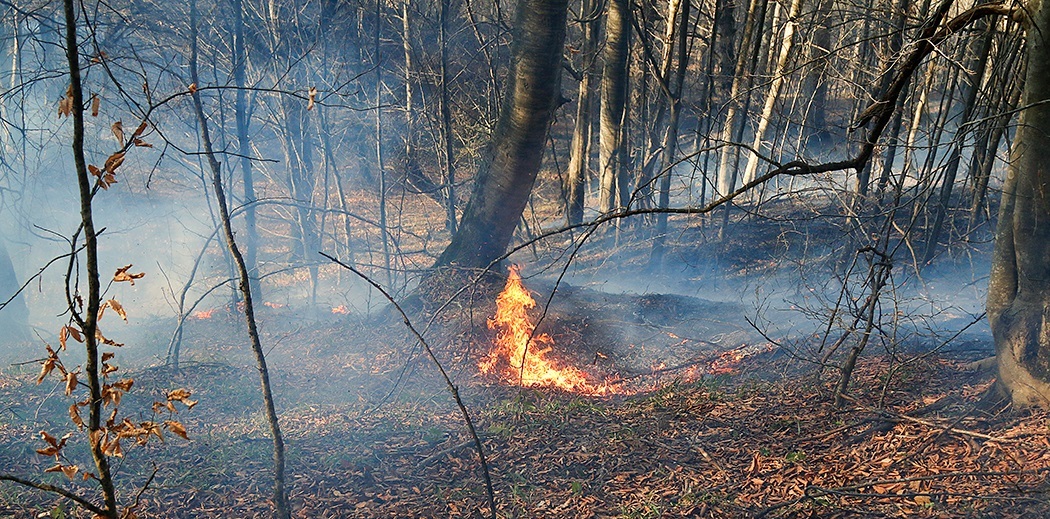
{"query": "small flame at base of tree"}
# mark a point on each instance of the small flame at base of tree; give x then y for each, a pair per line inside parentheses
(519, 356)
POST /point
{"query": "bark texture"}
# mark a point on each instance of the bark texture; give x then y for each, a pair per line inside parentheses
(1019, 288)
(505, 180)
(614, 100)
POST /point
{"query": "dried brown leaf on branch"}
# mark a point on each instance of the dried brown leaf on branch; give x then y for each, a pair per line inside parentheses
(118, 308)
(176, 428)
(74, 415)
(112, 448)
(313, 99)
(69, 470)
(95, 104)
(72, 332)
(181, 395)
(65, 105)
(102, 338)
(113, 162)
(124, 385)
(71, 382)
(122, 274)
(55, 445)
(49, 364)
(111, 395)
(118, 131)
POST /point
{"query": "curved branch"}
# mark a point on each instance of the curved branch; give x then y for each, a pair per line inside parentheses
(88, 505)
(448, 380)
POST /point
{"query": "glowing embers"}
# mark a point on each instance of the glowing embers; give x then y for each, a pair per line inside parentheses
(519, 357)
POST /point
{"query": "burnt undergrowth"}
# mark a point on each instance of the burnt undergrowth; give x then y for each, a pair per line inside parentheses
(720, 414)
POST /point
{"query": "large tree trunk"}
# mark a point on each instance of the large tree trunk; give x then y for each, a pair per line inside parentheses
(504, 182)
(1019, 289)
(614, 99)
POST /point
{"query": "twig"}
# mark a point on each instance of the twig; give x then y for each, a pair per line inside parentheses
(138, 495)
(950, 428)
(891, 416)
(448, 381)
(433, 457)
(55, 490)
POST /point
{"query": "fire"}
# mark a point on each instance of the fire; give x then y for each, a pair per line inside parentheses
(340, 310)
(519, 355)
(204, 314)
(728, 363)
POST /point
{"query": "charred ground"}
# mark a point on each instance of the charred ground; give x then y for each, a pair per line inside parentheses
(372, 433)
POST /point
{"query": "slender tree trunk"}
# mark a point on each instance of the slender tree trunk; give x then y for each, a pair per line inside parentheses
(815, 85)
(745, 55)
(1019, 287)
(670, 138)
(580, 150)
(779, 76)
(505, 179)
(280, 494)
(614, 100)
(14, 316)
(380, 167)
(446, 122)
(301, 182)
(976, 63)
(87, 318)
(893, 47)
(984, 159)
(243, 120)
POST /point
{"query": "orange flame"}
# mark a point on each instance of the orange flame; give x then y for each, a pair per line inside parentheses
(340, 310)
(728, 363)
(204, 314)
(519, 356)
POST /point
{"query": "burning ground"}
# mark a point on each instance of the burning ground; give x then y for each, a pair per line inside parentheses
(698, 418)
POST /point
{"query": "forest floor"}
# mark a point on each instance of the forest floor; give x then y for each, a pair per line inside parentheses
(709, 417)
(758, 439)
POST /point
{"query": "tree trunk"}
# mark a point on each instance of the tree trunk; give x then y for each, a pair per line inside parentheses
(670, 137)
(746, 54)
(580, 149)
(614, 100)
(815, 85)
(243, 120)
(446, 123)
(280, 494)
(504, 182)
(14, 317)
(86, 314)
(977, 62)
(1019, 287)
(779, 75)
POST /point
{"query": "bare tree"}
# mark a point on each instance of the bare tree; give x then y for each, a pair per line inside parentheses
(505, 179)
(1019, 288)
